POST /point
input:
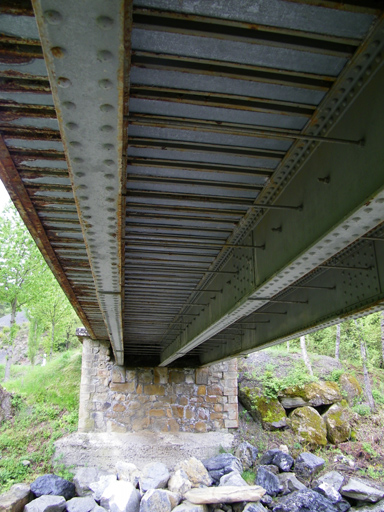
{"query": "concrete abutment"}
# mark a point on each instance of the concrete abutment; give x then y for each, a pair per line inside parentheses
(118, 399)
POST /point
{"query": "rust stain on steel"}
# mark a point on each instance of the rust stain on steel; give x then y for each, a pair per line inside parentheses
(23, 203)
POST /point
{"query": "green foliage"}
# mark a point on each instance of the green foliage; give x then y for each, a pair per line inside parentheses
(362, 409)
(249, 476)
(272, 384)
(336, 374)
(47, 402)
(378, 396)
(368, 448)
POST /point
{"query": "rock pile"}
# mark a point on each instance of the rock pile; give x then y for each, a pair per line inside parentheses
(281, 484)
(317, 412)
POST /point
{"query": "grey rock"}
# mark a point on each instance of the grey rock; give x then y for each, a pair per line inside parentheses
(53, 485)
(128, 471)
(221, 465)
(46, 504)
(254, 507)
(16, 498)
(156, 500)
(179, 482)
(233, 478)
(82, 479)
(377, 507)
(270, 467)
(97, 488)
(195, 471)
(333, 496)
(333, 478)
(86, 504)
(154, 476)
(283, 461)
(187, 506)
(267, 481)
(362, 490)
(289, 483)
(99, 509)
(247, 453)
(121, 496)
(306, 500)
(266, 500)
(268, 456)
(292, 402)
(307, 465)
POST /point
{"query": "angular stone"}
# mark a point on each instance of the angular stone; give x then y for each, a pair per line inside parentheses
(225, 494)
(195, 471)
(121, 496)
(333, 496)
(46, 503)
(337, 423)
(221, 465)
(86, 504)
(155, 500)
(16, 498)
(187, 506)
(283, 461)
(350, 387)
(307, 423)
(333, 478)
(128, 472)
(247, 453)
(307, 465)
(267, 481)
(291, 402)
(179, 482)
(268, 456)
(82, 479)
(154, 476)
(53, 485)
(270, 467)
(314, 393)
(306, 500)
(362, 490)
(377, 507)
(269, 412)
(266, 500)
(289, 483)
(254, 507)
(234, 478)
(100, 485)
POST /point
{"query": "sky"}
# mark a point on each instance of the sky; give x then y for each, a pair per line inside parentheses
(4, 197)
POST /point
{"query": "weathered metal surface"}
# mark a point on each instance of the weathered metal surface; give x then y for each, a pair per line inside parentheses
(224, 125)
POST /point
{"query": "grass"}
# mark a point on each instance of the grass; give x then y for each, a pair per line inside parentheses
(46, 401)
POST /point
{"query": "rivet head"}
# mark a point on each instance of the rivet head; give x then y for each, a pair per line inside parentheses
(63, 82)
(104, 22)
(108, 146)
(109, 163)
(69, 105)
(75, 144)
(53, 17)
(104, 55)
(106, 107)
(107, 128)
(72, 126)
(80, 174)
(78, 160)
(58, 52)
(109, 176)
(105, 84)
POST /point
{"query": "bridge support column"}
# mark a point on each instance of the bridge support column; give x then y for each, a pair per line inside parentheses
(118, 399)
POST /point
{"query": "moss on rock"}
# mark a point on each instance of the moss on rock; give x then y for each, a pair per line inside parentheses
(337, 423)
(314, 393)
(269, 412)
(307, 423)
(350, 387)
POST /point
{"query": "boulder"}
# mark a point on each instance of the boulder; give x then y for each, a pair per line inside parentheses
(350, 387)
(307, 423)
(314, 394)
(333, 478)
(53, 485)
(187, 506)
(224, 494)
(247, 454)
(362, 490)
(156, 500)
(221, 465)
(305, 500)
(128, 472)
(377, 507)
(121, 496)
(266, 500)
(233, 478)
(270, 467)
(268, 456)
(308, 465)
(179, 482)
(267, 481)
(86, 504)
(337, 423)
(254, 507)
(269, 412)
(46, 504)
(283, 461)
(83, 478)
(289, 483)
(154, 476)
(195, 471)
(16, 498)
(97, 488)
(333, 496)
(6, 408)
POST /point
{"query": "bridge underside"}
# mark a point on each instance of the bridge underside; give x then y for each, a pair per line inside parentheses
(203, 179)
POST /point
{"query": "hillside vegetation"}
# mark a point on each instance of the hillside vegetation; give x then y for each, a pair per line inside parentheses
(46, 402)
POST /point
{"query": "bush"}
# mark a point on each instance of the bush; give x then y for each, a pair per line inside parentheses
(362, 409)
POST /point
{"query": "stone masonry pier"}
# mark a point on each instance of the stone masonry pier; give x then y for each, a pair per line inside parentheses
(117, 399)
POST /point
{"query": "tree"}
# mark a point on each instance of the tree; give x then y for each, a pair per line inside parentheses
(305, 355)
(337, 348)
(382, 339)
(367, 383)
(21, 264)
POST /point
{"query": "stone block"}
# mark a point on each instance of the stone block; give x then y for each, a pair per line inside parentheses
(127, 387)
(160, 375)
(119, 408)
(140, 423)
(118, 374)
(200, 426)
(154, 389)
(202, 376)
(176, 377)
(130, 375)
(178, 411)
(158, 413)
(217, 416)
(231, 423)
(202, 390)
(145, 376)
(183, 400)
(214, 391)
